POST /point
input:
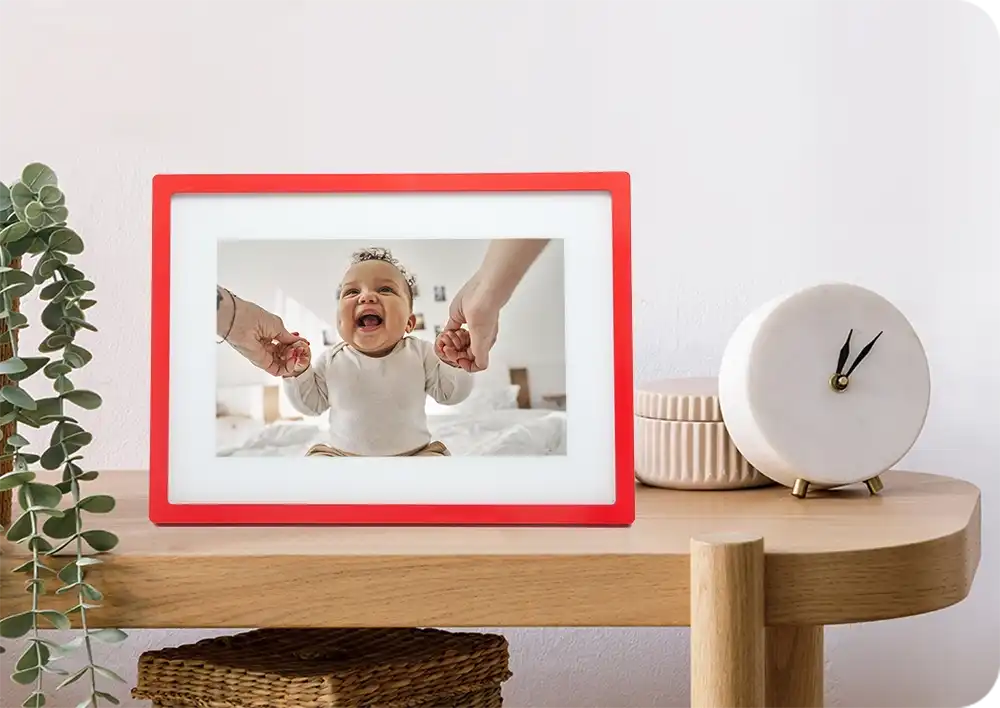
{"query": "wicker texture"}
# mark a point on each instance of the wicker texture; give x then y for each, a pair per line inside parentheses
(323, 668)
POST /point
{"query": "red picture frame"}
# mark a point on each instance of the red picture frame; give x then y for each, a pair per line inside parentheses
(162, 511)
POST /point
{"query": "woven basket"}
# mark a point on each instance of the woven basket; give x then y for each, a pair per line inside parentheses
(325, 668)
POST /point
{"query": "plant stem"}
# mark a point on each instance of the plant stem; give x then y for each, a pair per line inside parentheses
(34, 587)
(75, 491)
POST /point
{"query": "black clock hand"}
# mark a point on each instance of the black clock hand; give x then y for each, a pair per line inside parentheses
(844, 352)
(863, 354)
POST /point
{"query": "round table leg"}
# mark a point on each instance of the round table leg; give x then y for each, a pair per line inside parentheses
(794, 670)
(727, 621)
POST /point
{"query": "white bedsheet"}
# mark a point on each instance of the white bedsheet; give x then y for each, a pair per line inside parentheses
(506, 431)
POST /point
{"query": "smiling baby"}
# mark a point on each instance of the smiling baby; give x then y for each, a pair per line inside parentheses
(375, 382)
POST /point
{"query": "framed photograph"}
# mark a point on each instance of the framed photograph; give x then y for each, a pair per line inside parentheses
(374, 426)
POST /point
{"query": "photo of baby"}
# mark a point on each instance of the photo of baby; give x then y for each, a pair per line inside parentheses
(376, 371)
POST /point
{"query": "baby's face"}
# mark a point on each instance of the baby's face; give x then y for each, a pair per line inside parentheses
(375, 310)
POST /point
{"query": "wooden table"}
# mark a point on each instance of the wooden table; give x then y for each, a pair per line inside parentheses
(754, 573)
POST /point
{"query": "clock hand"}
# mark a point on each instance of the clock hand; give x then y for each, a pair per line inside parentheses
(863, 354)
(844, 351)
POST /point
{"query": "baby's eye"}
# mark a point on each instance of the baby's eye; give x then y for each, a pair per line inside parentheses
(386, 289)
(349, 292)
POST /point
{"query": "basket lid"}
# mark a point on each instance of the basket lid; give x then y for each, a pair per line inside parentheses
(692, 399)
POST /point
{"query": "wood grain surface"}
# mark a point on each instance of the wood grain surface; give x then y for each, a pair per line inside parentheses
(836, 557)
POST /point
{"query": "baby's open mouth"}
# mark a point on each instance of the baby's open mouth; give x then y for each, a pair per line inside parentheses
(368, 322)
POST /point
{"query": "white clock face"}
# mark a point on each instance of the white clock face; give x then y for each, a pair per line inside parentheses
(829, 384)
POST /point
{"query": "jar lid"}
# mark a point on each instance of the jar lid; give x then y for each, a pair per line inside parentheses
(689, 399)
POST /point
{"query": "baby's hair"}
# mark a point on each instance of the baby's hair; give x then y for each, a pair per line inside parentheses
(379, 253)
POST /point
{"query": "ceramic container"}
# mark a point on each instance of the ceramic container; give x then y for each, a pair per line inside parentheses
(681, 441)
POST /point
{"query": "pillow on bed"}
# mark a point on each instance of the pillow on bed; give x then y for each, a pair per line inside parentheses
(483, 399)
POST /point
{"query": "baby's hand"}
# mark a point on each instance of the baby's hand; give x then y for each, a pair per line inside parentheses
(297, 358)
(452, 347)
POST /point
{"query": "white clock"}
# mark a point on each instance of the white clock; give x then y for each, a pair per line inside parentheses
(824, 387)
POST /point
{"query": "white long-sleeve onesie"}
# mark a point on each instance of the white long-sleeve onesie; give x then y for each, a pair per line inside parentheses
(377, 404)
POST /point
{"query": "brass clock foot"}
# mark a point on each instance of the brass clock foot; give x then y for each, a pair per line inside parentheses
(800, 488)
(874, 484)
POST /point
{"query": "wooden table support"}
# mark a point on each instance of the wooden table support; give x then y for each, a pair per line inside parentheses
(794, 666)
(727, 621)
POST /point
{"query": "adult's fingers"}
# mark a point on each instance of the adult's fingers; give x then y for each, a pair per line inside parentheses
(454, 322)
(286, 337)
(480, 341)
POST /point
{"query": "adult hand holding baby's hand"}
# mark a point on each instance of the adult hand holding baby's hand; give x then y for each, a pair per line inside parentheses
(261, 337)
(452, 347)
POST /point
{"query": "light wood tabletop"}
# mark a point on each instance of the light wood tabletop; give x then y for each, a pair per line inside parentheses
(835, 557)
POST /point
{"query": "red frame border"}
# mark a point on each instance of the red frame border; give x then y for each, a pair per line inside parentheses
(620, 513)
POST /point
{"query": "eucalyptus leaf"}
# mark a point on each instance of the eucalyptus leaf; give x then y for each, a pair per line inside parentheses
(35, 216)
(108, 697)
(66, 241)
(91, 593)
(32, 365)
(73, 678)
(14, 365)
(71, 574)
(57, 214)
(53, 457)
(61, 527)
(57, 368)
(36, 175)
(85, 304)
(16, 441)
(81, 323)
(4, 197)
(27, 676)
(39, 544)
(108, 674)
(63, 385)
(20, 529)
(35, 700)
(20, 196)
(18, 397)
(100, 541)
(15, 479)
(16, 320)
(56, 619)
(17, 625)
(35, 654)
(45, 268)
(52, 315)
(52, 291)
(43, 494)
(87, 400)
(50, 195)
(54, 342)
(78, 351)
(14, 232)
(97, 504)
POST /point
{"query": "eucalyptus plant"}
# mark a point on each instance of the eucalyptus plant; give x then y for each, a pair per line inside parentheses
(51, 523)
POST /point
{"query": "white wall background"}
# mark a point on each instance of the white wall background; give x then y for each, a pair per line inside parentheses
(771, 145)
(297, 280)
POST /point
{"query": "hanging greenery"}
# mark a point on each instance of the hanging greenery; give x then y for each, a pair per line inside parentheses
(54, 519)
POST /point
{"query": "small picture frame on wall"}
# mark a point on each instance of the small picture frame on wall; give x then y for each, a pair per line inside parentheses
(356, 240)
